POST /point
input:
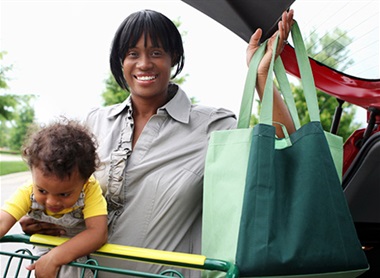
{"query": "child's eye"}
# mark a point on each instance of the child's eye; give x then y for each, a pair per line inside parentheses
(64, 194)
(42, 191)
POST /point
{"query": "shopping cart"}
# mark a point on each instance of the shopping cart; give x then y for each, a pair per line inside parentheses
(175, 259)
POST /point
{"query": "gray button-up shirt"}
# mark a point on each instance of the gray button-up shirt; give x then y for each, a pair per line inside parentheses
(162, 184)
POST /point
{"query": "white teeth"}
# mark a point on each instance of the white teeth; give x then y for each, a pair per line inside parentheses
(145, 78)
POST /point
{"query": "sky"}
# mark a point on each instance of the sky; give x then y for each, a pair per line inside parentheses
(59, 49)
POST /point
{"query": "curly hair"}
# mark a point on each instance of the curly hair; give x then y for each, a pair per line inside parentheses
(62, 147)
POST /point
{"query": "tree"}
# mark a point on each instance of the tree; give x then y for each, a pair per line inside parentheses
(4, 134)
(7, 102)
(114, 94)
(23, 122)
(16, 113)
(332, 51)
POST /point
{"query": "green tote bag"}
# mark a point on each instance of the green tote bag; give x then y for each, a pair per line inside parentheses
(295, 221)
(225, 173)
(224, 178)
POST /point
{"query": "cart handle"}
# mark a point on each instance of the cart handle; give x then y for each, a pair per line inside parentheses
(136, 253)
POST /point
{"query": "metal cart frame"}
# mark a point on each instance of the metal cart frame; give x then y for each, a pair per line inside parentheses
(175, 259)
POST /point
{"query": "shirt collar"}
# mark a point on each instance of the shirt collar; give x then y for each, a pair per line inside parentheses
(118, 108)
(178, 107)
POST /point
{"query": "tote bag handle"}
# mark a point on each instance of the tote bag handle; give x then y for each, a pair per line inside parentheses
(249, 88)
(306, 79)
(335, 142)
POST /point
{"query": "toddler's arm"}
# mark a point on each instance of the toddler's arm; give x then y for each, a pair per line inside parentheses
(6, 222)
(80, 245)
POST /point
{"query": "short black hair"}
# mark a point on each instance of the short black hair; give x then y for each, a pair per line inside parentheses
(161, 30)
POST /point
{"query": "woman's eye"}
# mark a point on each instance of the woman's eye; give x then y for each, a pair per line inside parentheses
(132, 54)
(156, 53)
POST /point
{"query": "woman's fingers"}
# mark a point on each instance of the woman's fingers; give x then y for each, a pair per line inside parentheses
(31, 226)
(253, 44)
(284, 27)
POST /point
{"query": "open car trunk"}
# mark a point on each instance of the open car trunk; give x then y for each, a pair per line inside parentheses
(244, 17)
(362, 151)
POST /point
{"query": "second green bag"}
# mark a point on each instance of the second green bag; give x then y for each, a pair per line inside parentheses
(295, 220)
(226, 171)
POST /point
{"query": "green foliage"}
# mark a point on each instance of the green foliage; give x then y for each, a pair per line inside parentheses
(180, 79)
(9, 167)
(8, 102)
(194, 100)
(330, 50)
(327, 106)
(10, 152)
(254, 118)
(23, 122)
(4, 134)
(7, 106)
(16, 113)
(3, 71)
(113, 93)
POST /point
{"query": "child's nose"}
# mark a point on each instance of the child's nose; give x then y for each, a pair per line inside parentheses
(52, 201)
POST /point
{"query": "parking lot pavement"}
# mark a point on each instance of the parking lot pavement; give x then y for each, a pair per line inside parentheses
(8, 185)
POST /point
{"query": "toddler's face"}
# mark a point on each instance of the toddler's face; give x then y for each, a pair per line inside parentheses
(54, 193)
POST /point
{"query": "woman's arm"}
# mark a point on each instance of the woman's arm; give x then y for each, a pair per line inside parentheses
(280, 111)
(80, 245)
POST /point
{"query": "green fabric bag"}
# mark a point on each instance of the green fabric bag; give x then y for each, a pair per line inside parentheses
(224, 182)
(224, 179)
(295, 220)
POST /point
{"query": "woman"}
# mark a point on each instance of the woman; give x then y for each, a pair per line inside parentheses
(153, 145)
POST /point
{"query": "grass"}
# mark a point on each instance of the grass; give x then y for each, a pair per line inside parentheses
(9, 152)
(9, 167)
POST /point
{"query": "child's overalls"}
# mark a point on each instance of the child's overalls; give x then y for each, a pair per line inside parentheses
(72, 222)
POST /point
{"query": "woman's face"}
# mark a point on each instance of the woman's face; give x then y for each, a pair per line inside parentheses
(147, 70)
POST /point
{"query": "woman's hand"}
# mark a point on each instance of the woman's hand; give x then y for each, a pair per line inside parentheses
(280, 110)
(284, 27)
(31, 226)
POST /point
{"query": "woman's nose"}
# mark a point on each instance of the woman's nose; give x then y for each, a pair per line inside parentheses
(144, 62)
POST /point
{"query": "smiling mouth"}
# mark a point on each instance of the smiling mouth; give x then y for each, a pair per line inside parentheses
(146, 78)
